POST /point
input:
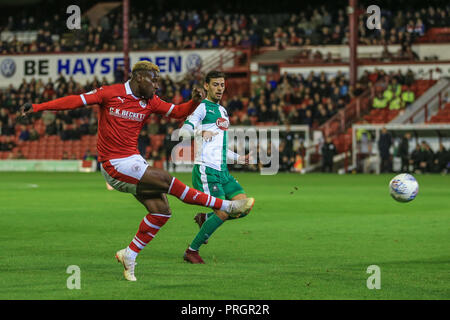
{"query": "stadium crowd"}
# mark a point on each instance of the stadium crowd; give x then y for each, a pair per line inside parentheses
(150, 28)
(292, 99)
(397, 93)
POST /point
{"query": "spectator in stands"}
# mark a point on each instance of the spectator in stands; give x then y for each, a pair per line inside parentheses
(388, 94)
(264, 114)
(153, 126)
(422, 158)
(244, 120)
(416, 158)
(322, 114)
(294, 116)
(285, 164)
(288, 138)
(34, 135)
(379, 101)
(308, 118)
(84, 126)
(9, 144)
(331, 111)
(403, 151)
(340, 104)
(24, 134)
(177, 98)
(384, 145)
(408, 97)
(427, 157)
(328, 153)
(66, 133)
(395, 87)
(8, 128)
(441, 159)
(3, 116)
(76, 133)
(335, 95)
(285, 157)
(234, 105)
(396, 103)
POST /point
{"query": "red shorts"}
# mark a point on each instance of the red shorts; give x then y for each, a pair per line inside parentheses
(124, 174)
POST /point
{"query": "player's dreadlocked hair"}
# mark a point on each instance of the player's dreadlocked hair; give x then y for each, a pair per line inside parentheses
(214, 74)
(144, 66)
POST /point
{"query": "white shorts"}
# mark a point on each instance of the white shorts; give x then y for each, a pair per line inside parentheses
(124, 174)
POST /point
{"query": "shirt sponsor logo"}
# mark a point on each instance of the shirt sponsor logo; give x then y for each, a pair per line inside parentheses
(124, 114)
(222, 123)
(142, 103)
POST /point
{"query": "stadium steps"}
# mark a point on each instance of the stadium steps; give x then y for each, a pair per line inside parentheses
(428, 95)
(443, 115)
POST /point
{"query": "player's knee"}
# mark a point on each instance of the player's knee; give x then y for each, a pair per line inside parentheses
(166, 211)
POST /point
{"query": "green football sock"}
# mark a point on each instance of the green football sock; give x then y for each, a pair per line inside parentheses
(207, 229)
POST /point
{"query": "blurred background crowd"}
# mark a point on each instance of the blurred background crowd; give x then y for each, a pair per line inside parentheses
(171, 27)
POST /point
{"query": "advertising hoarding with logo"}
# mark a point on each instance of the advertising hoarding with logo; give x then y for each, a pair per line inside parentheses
(84, 66)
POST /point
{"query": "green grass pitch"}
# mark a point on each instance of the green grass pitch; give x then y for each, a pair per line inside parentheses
(308, 237)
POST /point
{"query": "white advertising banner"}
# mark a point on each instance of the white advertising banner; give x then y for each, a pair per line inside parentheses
(421, 70)
(84, 66)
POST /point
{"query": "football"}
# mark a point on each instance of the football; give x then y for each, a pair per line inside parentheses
(403, 187)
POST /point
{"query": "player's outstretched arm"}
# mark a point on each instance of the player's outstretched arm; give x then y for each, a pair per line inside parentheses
(180, 111)
(64, 103)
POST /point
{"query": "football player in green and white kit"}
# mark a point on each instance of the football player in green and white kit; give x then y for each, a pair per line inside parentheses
(210, 173)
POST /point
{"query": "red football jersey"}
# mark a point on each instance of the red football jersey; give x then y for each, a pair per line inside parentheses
(122, 116)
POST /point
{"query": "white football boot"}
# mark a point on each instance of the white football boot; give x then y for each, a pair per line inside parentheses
(239, 207)
(128, 264)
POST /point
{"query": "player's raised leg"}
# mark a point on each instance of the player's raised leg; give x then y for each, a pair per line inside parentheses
(158, 214)
(160, 181)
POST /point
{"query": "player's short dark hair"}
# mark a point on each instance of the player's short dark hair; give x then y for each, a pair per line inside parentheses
(214, 74)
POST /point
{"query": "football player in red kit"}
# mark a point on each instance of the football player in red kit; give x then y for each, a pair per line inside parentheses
(124, 108)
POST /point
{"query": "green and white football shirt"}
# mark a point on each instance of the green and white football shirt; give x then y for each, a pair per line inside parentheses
(210, 116)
